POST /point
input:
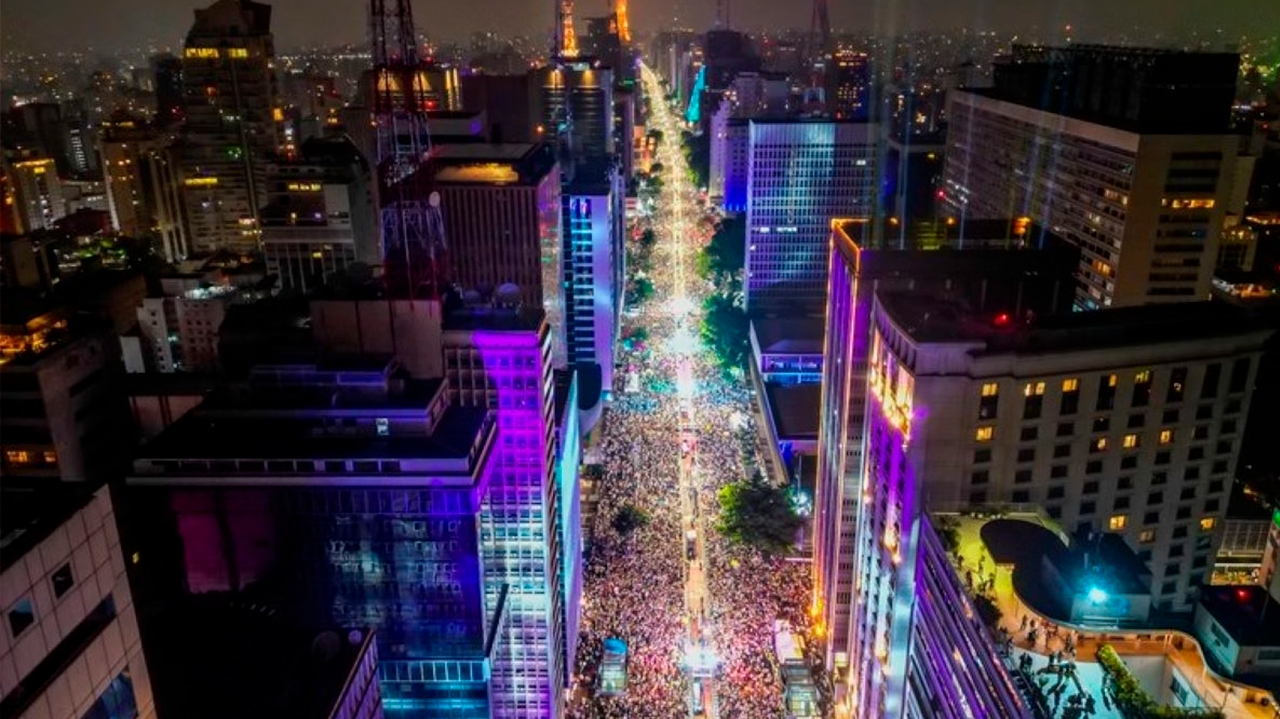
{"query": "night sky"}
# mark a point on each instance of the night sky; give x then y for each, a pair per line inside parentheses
(42, 25)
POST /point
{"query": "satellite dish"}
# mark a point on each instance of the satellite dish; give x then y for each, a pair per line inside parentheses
(433, 199)
(355, 637)
(507, 292)
(326, 646)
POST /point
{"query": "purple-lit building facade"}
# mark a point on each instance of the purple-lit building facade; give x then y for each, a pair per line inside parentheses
(344, 496)
(993, 275)
(918, 647)
(502, 359)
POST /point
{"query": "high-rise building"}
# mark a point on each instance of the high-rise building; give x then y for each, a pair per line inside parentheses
(912, 175)
(71, 646)
(993, 274)
(850, 85)
(573, 102)
(501, 205)
(801, 174)
(232, 123)
(593, 279)
(166, 72)
(728, 159)
(320, 217)
(65, 415)
(1124, 421)
(1125, 152)
(502, 360)
(143, 188)
(339, 495)
(37, 192)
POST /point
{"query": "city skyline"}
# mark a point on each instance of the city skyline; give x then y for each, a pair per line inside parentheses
(115, 25)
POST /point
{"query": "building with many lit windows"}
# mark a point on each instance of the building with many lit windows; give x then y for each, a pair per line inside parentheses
(232, 123)
(37, 192)
(1006, 268)
(319, 218)
(502, 359)
(801, 174)
(1125, 152)
(593, 260)
(143, 189)
(337, 494)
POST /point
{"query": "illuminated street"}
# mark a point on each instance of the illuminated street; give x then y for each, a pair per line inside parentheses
(696, 614)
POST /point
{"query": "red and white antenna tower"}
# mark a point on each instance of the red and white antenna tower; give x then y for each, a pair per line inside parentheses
(412, 231)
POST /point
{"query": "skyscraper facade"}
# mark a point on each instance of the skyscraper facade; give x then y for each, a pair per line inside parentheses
(143, 188)
(232, 122)
(1125, 151)
(339, 495)
(501, 204)
(573, 102)
(992, 275)
(37, 192)
(502, 360)
(593, 259)
(801, 174)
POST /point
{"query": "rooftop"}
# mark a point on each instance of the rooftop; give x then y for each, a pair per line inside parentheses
(1247, 612)
(778, 335)
(30, 514)
(278, 669)
(795, 409)
(931, 320)
(495, 319)
(491, 163)
(215, 435)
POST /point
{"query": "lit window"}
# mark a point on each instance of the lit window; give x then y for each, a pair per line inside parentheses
(1118, 522)
(50, 457)
(990, 389)
(1100, 443)
(1130, 441)
(1207, 524)
(1142, 377)
(1033, 389)
(17, 456)
(985, 434)
(1111, 380)
(1166, 436)
(1070, 385)
(1148, 536)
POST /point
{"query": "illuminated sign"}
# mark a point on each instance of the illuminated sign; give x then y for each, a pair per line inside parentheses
(239, 53)
(201, 53)
(39, 166)
(304, 187)
(200, 181)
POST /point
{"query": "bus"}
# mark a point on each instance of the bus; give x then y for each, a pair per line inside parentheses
(800, 695)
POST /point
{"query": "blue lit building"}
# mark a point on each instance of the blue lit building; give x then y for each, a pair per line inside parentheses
(593, 264)
(801, 174)
(569, 518)
(344, 496)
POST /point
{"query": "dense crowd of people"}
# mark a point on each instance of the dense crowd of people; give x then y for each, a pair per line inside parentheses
(634, 583)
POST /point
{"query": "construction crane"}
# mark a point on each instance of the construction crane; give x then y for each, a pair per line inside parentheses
(412, 232)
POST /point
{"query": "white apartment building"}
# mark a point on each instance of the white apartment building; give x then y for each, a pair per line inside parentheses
(1125, 421)
(70, 645)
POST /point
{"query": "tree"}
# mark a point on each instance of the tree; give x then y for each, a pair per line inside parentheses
(725, 255)
(759, 515)
(641, 289)
(725, 331)
(628, 519)
(657, 168)
(648, 239)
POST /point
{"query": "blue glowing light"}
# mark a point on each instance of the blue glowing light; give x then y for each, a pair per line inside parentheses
(1097, 595)
(695, 99)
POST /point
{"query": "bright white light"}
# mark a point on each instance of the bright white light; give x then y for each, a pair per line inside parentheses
(1097, 595)
(684, 387)
(683, 343)
(681, 306)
